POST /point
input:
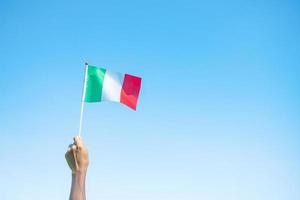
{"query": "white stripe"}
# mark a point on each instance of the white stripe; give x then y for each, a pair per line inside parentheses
(112, 85)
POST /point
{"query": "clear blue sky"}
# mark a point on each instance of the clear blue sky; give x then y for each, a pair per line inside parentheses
(218, 114)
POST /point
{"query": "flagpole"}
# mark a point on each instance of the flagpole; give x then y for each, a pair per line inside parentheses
(82, 100)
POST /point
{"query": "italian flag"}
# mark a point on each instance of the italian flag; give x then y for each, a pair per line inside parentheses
(105, 85)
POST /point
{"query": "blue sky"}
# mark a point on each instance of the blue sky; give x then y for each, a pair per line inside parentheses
(218, 114)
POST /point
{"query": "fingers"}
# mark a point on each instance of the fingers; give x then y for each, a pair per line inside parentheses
(75, 158)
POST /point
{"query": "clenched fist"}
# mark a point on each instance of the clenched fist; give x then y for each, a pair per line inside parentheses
(77, 156)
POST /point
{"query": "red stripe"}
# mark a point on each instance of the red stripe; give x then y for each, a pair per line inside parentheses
(130, 90)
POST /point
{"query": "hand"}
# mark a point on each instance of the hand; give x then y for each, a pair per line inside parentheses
(77, 156)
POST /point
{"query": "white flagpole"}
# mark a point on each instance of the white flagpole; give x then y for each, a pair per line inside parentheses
(82, 100)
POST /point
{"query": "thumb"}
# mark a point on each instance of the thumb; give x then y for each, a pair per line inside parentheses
(78, 141)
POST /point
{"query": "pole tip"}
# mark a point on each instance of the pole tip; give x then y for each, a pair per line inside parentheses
(86, 63)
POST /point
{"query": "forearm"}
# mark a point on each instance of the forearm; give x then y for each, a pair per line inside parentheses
(78, 186)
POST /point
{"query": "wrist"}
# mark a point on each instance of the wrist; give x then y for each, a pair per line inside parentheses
(78, 178)
(81, 172)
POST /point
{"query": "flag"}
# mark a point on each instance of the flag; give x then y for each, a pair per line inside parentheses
(105, 85)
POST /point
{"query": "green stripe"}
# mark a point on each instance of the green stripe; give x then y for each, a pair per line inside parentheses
(94, 83)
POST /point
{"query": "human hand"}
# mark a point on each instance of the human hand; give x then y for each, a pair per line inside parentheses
(77, 156)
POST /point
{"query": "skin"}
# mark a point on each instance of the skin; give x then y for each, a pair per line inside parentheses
(78, 160)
